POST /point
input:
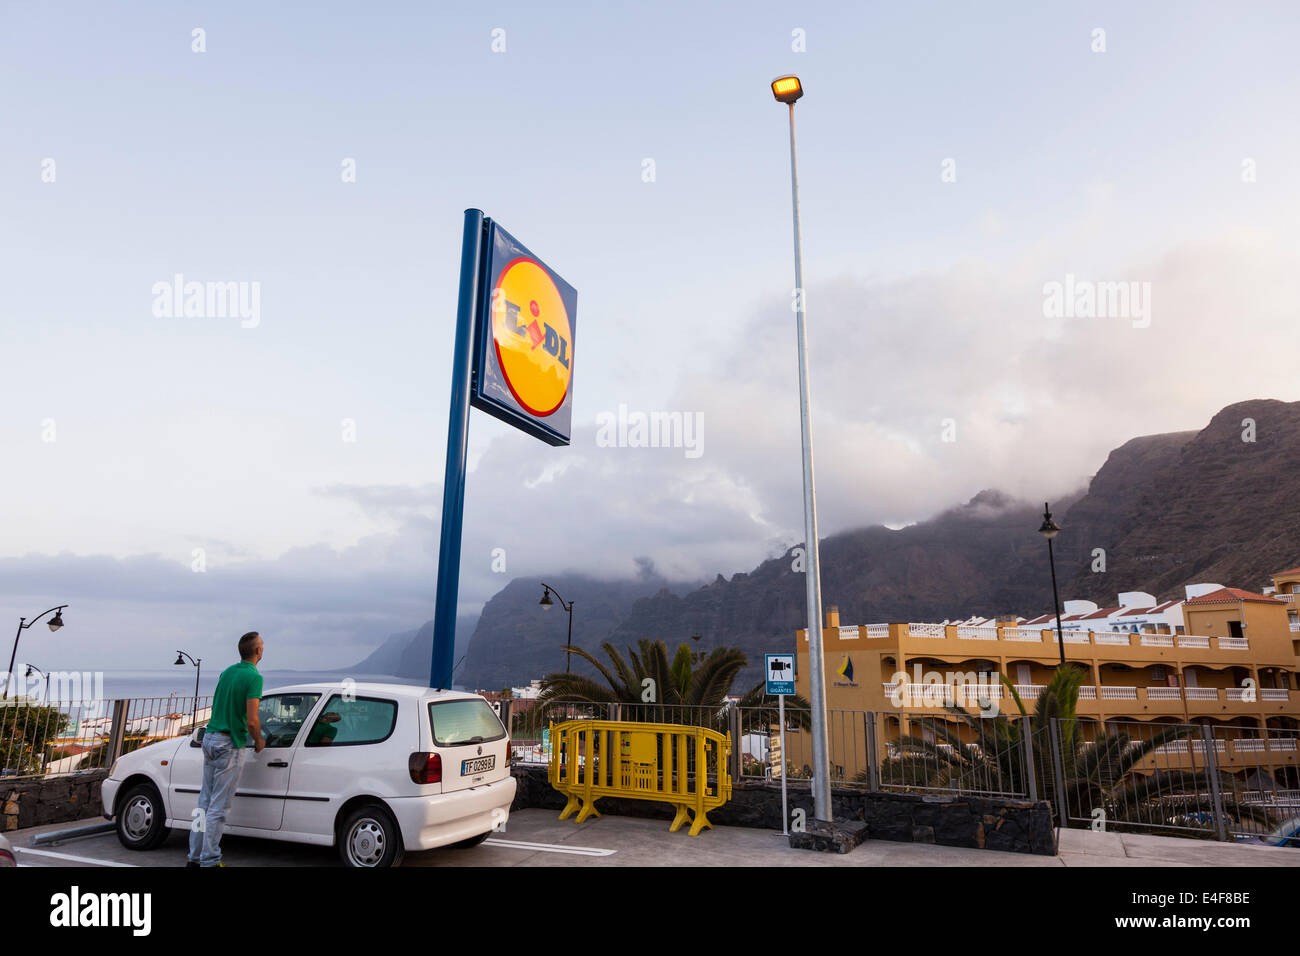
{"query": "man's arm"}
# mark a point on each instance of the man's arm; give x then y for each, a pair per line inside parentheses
(254, 723)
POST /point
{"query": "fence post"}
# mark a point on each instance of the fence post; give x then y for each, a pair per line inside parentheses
(873, 771)
(1212, 772)
(1058, 769)
(1027, 735)
(733, 728)
(116, 733)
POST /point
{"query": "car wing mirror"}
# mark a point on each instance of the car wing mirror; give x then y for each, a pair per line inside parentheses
(197, 739)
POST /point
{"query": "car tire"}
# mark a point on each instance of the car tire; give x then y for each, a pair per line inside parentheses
(471, 842)
(141, 819)
(370, 837)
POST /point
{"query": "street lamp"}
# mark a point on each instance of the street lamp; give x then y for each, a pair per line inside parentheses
(787, 89)
(1050, 530)
(546, 604)
(181, 657)
(54, 624)
(31, 668)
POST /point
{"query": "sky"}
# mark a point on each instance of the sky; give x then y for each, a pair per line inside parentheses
(180, 480)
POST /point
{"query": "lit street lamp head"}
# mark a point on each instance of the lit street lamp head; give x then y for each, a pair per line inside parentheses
(56, 622)
(179, 659)
(787, 88)
(546, 599)
(1049, 529)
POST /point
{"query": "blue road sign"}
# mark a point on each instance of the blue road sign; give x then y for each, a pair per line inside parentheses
(780, 674)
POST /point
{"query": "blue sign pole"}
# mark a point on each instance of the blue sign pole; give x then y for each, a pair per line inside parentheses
(453, 482)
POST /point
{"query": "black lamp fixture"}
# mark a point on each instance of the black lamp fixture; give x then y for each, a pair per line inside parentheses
(54, 624)
(1049, 530)
(181, 658)
(546, 604)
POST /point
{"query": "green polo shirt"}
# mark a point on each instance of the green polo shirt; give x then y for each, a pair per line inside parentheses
(238, 684)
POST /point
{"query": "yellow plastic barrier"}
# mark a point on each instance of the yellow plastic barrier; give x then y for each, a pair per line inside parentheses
(671, 763)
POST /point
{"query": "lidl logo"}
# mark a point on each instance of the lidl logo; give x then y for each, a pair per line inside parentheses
(524, 356)
(532, 336)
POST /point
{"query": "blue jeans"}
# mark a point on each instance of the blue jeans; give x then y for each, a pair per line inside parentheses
(222, 761)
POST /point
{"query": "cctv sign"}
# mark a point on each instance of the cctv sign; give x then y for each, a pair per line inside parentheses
(524, 352)
(780, 674)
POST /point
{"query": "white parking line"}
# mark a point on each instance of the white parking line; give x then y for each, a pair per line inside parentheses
(550, 847)
(69, 856)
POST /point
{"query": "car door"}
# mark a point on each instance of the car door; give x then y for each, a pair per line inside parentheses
(347, 748)
(185, 779)
(264, 777)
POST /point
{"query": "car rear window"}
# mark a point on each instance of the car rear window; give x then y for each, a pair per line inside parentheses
(459, 722)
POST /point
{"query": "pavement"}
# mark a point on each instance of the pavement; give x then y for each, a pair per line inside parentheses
(537, 838)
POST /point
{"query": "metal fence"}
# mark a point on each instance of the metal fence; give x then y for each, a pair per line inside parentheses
(1222, 782)
(51, 738)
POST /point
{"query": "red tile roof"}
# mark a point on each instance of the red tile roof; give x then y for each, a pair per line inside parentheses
(1150, 610)
(1278, 574)
(1224, 595)
(1104, 612)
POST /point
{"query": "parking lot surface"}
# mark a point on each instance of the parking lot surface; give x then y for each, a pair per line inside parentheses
(537, 838)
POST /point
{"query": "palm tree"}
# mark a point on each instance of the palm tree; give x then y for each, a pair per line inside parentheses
(649, 686)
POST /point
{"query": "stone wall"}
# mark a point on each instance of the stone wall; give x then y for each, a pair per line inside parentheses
(33, 803)
(1015, 826)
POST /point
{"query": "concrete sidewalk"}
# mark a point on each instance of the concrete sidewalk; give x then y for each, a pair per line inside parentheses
(538, 838)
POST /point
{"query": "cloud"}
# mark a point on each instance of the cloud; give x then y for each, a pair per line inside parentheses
(925, 390)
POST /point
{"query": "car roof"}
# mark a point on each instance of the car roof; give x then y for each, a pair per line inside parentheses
(370, 688)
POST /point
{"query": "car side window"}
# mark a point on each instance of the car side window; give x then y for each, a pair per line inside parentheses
(282, 716)
(361, 720)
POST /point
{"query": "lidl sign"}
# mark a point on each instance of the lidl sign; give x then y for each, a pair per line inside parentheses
(524, 341)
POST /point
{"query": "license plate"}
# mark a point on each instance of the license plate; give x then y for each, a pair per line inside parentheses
(477, 765)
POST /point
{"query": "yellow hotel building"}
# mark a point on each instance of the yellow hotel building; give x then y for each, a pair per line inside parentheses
(1232, 664)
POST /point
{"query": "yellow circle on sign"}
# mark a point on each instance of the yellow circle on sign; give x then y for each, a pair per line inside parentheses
(532, 336)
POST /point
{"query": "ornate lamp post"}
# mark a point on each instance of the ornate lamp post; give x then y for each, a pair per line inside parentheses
(546, 604)
(1049, 530)
(55, 623)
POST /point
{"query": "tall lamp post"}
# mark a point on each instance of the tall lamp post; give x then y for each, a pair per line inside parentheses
(546, 604)
(181, 657)
(1050, 530)
(55, 623)
(788, 89)
(31, 668)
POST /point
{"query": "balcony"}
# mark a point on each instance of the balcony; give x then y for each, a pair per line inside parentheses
(1031, 635)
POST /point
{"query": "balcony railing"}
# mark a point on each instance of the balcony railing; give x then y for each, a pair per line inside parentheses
(1233, 644)
(876, 630)
(977, 633)
(1157, 640)
(1020, 634)
(1192, 640)
(1104, 637)
(926, 630)
(1118, 693)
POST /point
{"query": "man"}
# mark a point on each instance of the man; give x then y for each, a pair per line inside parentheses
(234, 719)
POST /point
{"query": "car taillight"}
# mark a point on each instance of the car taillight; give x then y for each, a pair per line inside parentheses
(507, 751)
(425, 767)
(7, 858)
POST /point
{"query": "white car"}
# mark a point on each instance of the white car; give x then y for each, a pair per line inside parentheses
(374, 769)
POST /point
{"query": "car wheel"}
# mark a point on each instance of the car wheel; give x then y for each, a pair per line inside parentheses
(471, 842)
(141, 819)
(370, 837)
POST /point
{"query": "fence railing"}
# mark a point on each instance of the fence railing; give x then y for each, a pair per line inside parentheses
(52, 738)
(1225, 782)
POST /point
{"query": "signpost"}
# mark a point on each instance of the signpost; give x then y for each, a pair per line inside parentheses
(780, 681)
(514, 351)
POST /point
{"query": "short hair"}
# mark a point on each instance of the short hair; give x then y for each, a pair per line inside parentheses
(246, 645)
